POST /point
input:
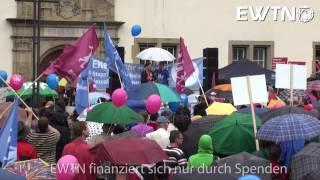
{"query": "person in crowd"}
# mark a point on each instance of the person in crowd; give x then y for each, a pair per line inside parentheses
(204, 157)
(58, 118)
(169, 115)
(162, 74)
(200, 108)
(176, 157)
(264, 150)
(147, 74)
(288, 149)
(80, 149)
(44, 139)
(182, 122)
(142, 128)
(183, 110)
(306, 105)
(161, 136)
(275, 153)
(25, 151)
(152, 122)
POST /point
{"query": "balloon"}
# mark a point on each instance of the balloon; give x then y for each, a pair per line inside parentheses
(119, 97)
(174, 106)
(16, 81)
(135, 30)
(153, 103)
(67, 167)
(184, 99)
(4, 76)
(53, 81)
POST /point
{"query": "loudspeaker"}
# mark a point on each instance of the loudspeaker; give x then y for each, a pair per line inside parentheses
(114, 82)
(210, 67)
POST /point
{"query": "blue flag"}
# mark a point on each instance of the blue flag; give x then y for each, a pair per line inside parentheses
(9, 137)
(113, 59)
(82, 91)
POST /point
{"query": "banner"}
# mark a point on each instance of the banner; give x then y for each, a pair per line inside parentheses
(278, 60)
(99, 73)
(297, 62)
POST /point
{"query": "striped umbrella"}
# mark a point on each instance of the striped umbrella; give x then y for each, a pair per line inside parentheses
(313, 85)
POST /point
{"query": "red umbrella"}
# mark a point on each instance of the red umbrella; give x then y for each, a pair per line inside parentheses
(129, 151)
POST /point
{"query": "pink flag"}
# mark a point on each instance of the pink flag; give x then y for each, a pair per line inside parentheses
(75, 56)
(184, 67)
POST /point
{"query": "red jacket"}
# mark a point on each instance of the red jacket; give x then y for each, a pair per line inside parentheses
(25, 151)
(80, 149)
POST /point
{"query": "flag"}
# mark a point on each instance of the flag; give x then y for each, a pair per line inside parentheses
(9, 137)
(82, 91)
(113, 59)
(75, 57)
(184, 67)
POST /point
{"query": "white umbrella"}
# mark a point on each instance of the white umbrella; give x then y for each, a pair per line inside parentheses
(156, 54)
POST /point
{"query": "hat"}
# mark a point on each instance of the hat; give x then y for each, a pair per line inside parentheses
(162, 119)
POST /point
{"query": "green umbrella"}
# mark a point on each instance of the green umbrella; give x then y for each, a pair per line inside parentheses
(110, 114)
(234, 134)
(144, 90)
(45, 90)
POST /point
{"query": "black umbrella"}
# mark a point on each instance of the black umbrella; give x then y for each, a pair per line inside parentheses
(306, 163)
(243, 68)
(195, 130)
(284, 110)
(242, 161)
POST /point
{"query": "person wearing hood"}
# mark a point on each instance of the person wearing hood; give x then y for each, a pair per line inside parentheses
(204, 157)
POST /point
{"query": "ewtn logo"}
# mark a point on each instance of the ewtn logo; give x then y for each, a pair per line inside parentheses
(259, 13)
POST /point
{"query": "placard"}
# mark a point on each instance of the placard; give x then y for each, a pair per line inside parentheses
(299, 76)
(278, 60)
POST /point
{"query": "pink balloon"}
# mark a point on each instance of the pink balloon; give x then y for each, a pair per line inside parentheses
(16, 81)
(119, 97)
(153, 103)
(67, 167)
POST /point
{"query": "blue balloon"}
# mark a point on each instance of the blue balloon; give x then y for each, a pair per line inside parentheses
(53, 81)
(184, 99)
(174, 106)
(4, 76)
(135, 30)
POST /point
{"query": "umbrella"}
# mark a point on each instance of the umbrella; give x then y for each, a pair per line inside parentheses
(22, 116)
(108, 113)
(44, 90)
(218, 108)
(283, 111)
(8, 175)
(197, 128)
(129, 151)
(243, 68)
(289, 127)
(243, 161)
(297, 94)
(94, 96)
(258, 111)
(144, 90)
(234, 134)
(223, 87)
(306, 163)
(32, 169)
(156, 54)
(272, 103)
(313, 85)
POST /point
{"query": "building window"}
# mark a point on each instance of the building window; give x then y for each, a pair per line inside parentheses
(239, 53)
(143, 46)
(260, 56)
(259, 52)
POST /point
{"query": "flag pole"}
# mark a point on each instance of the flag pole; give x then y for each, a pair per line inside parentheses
(118, 73)
(254, 122)
(88, 89)
(205, 98)
(14, 92)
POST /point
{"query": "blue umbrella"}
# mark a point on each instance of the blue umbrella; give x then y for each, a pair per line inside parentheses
(289, 127)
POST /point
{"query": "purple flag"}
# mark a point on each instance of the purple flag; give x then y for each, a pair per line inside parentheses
(75, 57)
